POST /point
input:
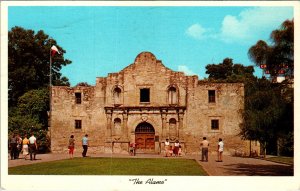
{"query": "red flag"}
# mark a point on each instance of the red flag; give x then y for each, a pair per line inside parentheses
(54, 50)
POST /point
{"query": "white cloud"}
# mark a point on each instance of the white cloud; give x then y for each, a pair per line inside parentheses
(196, 31)
(253, 22)
(186, 70)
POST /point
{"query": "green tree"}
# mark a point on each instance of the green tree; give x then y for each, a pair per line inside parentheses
(263, 112)
(267, 112)
(25, 124)
(36, 104)
(229, 72)
(28, 82)
(29, 62)
(83, 84)
(278, 57)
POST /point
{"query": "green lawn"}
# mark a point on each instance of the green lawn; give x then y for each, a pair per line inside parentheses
(112, 166)
(285, 160)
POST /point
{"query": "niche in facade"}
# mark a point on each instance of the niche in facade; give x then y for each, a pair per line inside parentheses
(172, 96)
(172, 129)
(117, 96)
(117, 127)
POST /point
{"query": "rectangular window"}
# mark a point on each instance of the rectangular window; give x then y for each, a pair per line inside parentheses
(78, 98)
(145, 95)
(211, 96)
(77, 124)
(215, 124)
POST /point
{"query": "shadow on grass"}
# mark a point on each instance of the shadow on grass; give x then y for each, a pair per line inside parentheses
(260, 170)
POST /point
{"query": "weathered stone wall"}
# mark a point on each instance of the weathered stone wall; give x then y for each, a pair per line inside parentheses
(227, 109)
(117, 98)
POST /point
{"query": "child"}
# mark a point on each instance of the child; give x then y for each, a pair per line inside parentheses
(179, 151)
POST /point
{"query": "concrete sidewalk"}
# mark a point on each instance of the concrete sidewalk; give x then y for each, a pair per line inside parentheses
(231, 166)
(241, 166)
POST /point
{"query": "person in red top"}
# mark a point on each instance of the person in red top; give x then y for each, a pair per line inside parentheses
(132, 149)
(71, 146)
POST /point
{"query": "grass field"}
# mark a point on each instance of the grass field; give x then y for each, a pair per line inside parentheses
(113, 166)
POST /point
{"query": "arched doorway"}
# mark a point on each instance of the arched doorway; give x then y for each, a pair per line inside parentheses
(145, 138)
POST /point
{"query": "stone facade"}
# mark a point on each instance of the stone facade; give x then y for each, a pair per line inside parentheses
(146, 103)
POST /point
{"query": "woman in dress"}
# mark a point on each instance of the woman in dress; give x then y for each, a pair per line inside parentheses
(71, 146)
(25, 144)
(176, 148)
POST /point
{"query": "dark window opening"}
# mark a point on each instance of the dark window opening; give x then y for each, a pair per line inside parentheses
(215, 124)
(211, 96)
(145, 95)
(78, 98)
(77, 124)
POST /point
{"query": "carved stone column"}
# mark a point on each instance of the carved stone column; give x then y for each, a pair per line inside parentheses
(164, 118)
(180, 128)
(109, 122)
(125, 127)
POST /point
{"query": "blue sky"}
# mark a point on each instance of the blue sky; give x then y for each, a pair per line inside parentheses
(101, 40)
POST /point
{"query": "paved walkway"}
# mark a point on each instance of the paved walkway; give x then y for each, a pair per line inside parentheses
(231, 166)
(239, 166)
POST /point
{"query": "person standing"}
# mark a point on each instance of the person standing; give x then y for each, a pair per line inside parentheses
(13, 147)
(25, 146)
(85, 144)
(204, 145)
(220, 150)
(167, 144)
(32, 147)
(176, 148)
(71, 146)
(19, 145)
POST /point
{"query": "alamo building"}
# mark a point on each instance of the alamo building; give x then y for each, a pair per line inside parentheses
(146, 103)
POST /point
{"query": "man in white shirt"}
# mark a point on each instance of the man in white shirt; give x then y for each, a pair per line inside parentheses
(32, 146)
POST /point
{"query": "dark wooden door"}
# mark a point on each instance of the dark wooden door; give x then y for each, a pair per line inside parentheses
(145, 138)
(144, 142)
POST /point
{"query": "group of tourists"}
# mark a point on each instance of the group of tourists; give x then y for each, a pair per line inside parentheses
(29, 146)
(25, 146)
(174, 150)
(205, 144)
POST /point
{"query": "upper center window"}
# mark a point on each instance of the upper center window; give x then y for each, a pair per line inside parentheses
(145, 95)
(78, 98)
(211, 96)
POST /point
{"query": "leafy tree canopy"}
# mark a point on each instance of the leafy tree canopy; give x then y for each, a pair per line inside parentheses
(228, 71)
(83, 84)
(29, 62)
(278, 57)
